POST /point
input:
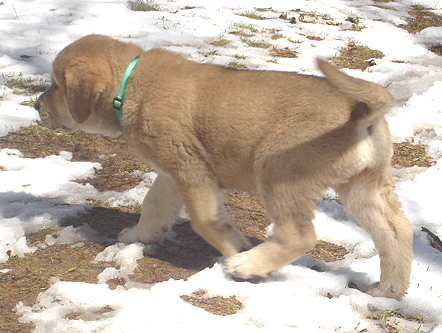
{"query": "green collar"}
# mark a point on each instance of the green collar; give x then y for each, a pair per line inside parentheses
(118, 101)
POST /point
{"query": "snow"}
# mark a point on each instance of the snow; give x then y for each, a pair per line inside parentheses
(307, 296)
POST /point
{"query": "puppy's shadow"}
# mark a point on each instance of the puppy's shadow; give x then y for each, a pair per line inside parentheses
(107, 222)
(186, 250)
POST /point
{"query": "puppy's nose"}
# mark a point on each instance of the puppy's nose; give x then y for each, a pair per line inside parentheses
(37, 105)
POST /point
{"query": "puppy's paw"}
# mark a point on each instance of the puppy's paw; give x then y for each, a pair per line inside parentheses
(242, 266)
(376, 290)
(138, 234)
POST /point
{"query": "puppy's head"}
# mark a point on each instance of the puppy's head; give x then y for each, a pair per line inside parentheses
(84, 83)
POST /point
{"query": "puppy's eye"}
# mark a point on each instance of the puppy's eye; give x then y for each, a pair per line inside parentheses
(54, 84)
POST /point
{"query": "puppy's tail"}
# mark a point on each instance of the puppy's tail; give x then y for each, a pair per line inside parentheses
(374, 100)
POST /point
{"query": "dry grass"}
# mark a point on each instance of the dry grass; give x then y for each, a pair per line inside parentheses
(356, 56)
(114, 155)
(437, 49)
(143, 5)
(407, 155)
(30, 275)
(389, 320)
(25, 86)
(237, 65)
(252, 15)
(243, 30)
(222, 306)
(262, 44)
(221, 42)
(283, 53)
(420, 18)
(315, 38)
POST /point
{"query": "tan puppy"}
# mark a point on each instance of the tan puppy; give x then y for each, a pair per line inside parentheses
(203, 127)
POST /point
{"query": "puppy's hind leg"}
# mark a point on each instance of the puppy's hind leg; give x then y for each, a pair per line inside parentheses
(160, 208)
(371, 198)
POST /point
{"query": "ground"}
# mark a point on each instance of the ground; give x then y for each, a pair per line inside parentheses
(32, 274)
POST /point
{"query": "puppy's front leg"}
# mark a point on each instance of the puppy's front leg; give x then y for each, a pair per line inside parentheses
(160, 208)
(209, 219)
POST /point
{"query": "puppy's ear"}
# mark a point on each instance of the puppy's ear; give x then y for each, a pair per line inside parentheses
(85, 89)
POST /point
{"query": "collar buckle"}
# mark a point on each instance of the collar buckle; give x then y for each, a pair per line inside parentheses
(118, 101)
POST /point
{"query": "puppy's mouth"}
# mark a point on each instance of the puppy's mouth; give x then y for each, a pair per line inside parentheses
(65, 129)
(61, 128)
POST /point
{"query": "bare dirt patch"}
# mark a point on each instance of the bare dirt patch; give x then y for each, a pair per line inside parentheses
(115, 156)
(356, 56)
(407, 155)
(30, 275)
(222, 306)
(283, 53)
(420, 18)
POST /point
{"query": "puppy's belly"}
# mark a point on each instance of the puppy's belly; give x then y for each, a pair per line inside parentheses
(234, 176)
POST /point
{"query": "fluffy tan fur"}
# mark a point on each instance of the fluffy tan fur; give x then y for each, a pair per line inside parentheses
(204, 127)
